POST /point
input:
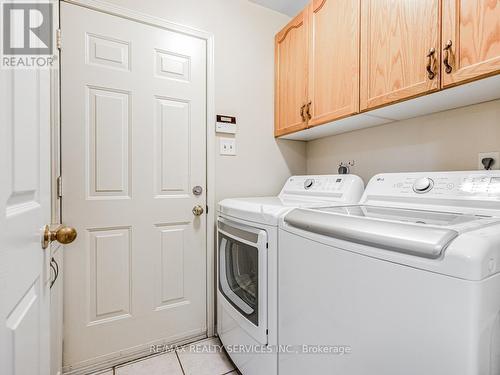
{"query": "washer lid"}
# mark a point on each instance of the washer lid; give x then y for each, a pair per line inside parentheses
(416, 232)
(436, 218)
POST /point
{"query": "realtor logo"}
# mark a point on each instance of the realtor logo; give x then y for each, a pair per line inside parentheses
(27, 28)
(27, 35)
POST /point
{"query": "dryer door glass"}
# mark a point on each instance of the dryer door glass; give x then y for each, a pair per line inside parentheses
(239, 275)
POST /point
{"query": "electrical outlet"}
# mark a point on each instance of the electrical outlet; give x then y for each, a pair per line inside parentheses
(494, 155)
(228, 146)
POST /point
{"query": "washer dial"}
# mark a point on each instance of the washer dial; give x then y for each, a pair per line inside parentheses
(423, 185)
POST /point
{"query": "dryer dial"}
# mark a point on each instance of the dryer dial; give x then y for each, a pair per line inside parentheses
(308, 183)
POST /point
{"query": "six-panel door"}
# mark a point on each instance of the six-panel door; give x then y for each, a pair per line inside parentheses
(291, 71)
(470, 39)
(334, 59)
(133, 146)
(396, 39)
(24, 210)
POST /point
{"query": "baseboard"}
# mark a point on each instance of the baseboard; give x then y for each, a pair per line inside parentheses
(123, 356)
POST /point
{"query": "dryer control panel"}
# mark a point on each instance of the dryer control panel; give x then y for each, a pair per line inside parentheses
(323, 186)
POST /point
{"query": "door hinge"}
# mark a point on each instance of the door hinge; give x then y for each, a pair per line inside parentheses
(59, 187)
(267, 245)
(58, 38)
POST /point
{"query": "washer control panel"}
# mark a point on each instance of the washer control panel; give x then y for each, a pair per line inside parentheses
(459, 185)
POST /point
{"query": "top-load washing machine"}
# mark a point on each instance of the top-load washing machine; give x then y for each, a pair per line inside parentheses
(247, 252)
(405, 283)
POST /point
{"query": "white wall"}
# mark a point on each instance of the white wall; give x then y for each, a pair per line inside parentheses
(244, 87)
(449, 140)
(244, 84)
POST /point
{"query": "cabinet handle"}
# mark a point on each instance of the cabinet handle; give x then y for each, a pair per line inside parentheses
(446, 60)
(431, 63)
(308, 110)
(302, 113)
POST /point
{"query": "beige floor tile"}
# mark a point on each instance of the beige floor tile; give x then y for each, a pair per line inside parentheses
(164, 364)
(106, 372)
(204, 358)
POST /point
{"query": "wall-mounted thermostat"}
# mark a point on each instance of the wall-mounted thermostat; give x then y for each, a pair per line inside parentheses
(225, 124)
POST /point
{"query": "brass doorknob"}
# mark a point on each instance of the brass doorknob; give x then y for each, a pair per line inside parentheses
(62, 234)
(197, 210)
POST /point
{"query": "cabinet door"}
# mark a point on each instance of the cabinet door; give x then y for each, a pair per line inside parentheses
(291, 64)
(473, 28)
(396, 37)
(334, 59)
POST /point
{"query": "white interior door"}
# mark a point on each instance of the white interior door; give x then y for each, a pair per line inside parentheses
(133, 147)
(24, 210)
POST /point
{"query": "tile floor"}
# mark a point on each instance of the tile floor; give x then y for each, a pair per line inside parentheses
(200, 358)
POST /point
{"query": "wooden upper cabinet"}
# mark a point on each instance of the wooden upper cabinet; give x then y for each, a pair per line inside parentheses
(291, 75)
(396, 38)
(334, 59)
(341, 57)
(473, 28)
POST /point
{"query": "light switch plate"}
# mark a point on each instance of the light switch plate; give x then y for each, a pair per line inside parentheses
(228, 146)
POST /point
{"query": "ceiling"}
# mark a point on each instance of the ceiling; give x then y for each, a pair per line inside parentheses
(288, 7)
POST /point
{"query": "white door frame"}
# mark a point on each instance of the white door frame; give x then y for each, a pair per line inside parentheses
(105, 7)
(55, 124)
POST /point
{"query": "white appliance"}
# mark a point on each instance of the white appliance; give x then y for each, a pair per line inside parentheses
(247, 256)
(407, 282)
